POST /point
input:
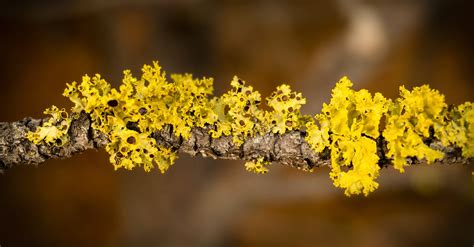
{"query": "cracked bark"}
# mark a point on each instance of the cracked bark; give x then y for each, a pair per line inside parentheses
(289, 149)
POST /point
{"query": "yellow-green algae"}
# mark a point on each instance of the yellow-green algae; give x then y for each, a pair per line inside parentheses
(348, 126)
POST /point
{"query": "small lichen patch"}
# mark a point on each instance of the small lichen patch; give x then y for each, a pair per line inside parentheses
(257, 166)
(54, 131)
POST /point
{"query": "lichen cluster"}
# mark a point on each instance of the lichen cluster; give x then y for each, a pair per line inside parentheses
(410, 119)
(348, 127)
(238, 112)
(130, 115)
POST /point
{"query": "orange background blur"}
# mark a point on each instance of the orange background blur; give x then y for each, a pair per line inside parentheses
(380, 45)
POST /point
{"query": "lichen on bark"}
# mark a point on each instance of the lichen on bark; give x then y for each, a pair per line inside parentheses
(147, 121)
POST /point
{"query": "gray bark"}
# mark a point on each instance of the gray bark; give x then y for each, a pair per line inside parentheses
(289, 149)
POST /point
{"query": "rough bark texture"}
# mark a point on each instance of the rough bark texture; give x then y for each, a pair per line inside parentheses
(289, 149)
(15, 149)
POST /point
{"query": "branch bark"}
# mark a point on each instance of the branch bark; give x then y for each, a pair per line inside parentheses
(289, 149)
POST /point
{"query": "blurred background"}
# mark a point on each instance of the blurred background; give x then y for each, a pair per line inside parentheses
(309, 44)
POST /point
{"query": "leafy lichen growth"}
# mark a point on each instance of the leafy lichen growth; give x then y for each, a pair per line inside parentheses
(238, 112)
(257, 166)
(409, 121)
(286, 113)
(129, 116)
(459, 129)
(54, 130)
(348, 127)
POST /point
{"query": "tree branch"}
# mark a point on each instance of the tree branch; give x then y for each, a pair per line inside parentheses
(289, 149)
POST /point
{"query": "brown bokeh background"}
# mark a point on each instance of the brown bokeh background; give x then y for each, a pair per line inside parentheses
(309, 44)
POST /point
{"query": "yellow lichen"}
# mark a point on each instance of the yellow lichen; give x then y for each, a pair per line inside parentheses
(54, 130)
(459, 130)
(238, 112)
(409, 120)
(129, 116)
(362, 153)
(286, 113)
(257, 166)
(347, 128)
(318, 137)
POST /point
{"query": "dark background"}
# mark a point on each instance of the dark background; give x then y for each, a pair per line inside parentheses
(309, 44)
